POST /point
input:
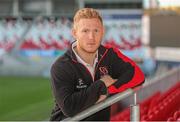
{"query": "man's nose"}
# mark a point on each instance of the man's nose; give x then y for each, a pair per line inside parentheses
(91, 35)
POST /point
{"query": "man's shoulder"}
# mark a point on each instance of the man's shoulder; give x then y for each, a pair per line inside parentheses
(62, 64)
(108, 48)
(62, 60)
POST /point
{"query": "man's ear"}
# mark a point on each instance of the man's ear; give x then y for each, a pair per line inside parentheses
(73, 32)
(104, 30)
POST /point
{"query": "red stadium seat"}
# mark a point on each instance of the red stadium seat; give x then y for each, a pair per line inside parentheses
(176, 115)
(176, 86)
(170, 119)
(144, 118)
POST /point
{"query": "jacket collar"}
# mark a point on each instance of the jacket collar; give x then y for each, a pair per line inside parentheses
(101, 52)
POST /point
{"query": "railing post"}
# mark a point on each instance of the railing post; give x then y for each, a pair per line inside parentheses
(135, 110)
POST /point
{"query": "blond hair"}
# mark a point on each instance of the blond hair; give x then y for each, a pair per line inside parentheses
(86, 13)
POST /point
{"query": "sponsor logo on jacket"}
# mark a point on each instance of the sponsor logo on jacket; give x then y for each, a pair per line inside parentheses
(80, 84)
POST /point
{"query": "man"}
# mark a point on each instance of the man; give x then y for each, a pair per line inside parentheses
(88, 71)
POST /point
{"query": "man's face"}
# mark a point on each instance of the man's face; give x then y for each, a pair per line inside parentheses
(88, 33)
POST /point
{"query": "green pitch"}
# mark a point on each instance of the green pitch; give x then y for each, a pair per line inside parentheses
(25, 98)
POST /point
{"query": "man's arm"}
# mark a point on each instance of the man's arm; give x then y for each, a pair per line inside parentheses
(108, 81)
(127, 72)
(70, 101)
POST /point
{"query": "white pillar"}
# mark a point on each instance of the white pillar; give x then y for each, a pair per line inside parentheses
(48, 7)
(146, 29)
(80, 4)
(15, 7)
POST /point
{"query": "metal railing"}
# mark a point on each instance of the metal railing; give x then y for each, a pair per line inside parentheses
(109, 101)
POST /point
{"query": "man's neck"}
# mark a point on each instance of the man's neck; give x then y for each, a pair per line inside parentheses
(85, 56)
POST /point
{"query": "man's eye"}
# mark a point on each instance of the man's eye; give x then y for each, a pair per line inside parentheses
(96, 30)
(85, 31)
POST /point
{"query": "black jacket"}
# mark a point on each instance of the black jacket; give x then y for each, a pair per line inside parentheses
(75, 90)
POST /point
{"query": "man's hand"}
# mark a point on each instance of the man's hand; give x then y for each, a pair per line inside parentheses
(108, 80)
(101, 98)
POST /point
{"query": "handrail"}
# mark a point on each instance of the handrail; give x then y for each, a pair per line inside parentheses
(97, 107)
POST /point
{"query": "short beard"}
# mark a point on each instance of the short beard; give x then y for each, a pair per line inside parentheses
(84, 50)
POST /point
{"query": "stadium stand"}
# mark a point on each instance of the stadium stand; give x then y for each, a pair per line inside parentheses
(54, 34)
(44, 34)
(51, 33)
(10, 31)
(158, 107)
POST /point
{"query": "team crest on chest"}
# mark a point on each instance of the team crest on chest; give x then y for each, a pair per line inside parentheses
(103, 70)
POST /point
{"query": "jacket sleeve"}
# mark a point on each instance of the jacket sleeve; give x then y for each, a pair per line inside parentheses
(127, 72)
(70, 101)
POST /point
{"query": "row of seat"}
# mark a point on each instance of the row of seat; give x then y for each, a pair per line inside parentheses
(175, 116)
(58, 44)
(11, 31)
(158, 107)
(163, 109)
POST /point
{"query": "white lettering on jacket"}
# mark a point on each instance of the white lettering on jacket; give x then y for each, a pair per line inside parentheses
(81, 84)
